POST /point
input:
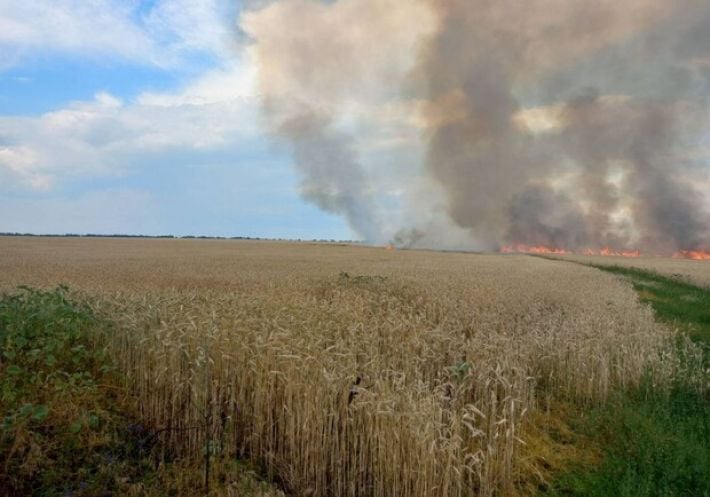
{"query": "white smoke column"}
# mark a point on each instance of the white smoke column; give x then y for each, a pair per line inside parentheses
(321, 66)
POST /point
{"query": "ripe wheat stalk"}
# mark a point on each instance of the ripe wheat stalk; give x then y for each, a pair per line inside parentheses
(410, 374)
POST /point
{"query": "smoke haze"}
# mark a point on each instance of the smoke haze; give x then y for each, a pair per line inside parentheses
(481, 123)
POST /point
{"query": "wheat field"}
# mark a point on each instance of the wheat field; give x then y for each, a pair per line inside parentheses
(356, 371)
(692, 271)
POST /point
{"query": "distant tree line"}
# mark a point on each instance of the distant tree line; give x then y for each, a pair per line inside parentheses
(186, 237)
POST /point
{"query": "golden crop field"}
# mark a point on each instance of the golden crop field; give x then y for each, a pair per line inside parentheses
(356, 371)
(695, 272)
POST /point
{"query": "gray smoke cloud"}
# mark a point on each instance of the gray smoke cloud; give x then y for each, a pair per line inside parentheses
(606, 155)
(320, 65)
(564, 123)
(332, 177)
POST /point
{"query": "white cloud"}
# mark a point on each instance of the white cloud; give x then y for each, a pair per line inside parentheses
(190, 25)
(94, 27)
(105, 136)
(18, 165)
(164, 35)
(233, 82)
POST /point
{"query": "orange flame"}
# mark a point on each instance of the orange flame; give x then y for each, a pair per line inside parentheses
(521, 248)
(607, 252)
(532, 249)
(696, 255)
(541, 249)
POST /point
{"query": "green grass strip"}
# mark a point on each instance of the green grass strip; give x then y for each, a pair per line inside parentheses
(655, 445)
(675, 302)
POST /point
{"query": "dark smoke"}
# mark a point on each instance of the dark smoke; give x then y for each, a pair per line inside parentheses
(640, 135)
(332, 177)
(567, 123)
(541, 216)
(509, 185)
(407, 238)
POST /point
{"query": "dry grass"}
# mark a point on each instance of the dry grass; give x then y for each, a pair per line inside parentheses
(352, 371)
(694, 272)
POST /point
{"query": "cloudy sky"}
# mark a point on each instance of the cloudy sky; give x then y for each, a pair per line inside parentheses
(140, 116)
(452, 123)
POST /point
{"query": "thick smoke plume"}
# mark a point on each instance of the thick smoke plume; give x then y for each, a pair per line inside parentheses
(319, 62)
(607, 156)
(563, 123)
(333, 179)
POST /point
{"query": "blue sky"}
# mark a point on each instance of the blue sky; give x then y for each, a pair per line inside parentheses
(139, 117)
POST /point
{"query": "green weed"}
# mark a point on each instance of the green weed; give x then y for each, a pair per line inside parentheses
(65, 430)
(54, 415)
(674, 301)
(656, 444)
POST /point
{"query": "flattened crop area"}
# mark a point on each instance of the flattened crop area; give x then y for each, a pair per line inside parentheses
(353, 371)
